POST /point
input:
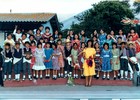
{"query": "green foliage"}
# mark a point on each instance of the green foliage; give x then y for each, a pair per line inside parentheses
(137, 7)
(105, 15)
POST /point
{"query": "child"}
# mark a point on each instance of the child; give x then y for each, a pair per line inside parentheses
(42, 42)
(76, 40)
(106, 56)
(7, 65)
(131, 58)
(67, 55)
(81, 59)
(17, 62)
(48, 61)
(75, 63)
(97, 60)
(1, 62)
(60, 47)
(47, 33)
(124, 60)
(115, 60)
(39, 60)
(55, 56)
(27, 61)
(33, 48)
(102, 38)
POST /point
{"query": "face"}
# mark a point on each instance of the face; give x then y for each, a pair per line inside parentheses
(23, 36)
(38, 32)
(68, 37)
(108, 37)
(112, 32)
(28, 55)
(71, 32)
(95, 32)
(53, 46)
(59, 42)
(39, 46)
(60, 36)
(76, 36)
(7, 47)
(27, 45)
(41, 28)
(130, 38)
(33, 44)
(94, 38)
(9, 37)
(130, 46)
(101, 31)
(123, 45)
(17, 46)
(82, 32)
(30, 32)
(106, 47)
(119, 39)
(120, 32)
(56, 32)
(31, 38)
(18, 31)
(41, 41)
(47, 30)
(68, 45)
(96, 45)
(48, 45)
(75, 46)
(132, 31)
(89, 44)
(51, 39)
(114, 46)
(83, 45)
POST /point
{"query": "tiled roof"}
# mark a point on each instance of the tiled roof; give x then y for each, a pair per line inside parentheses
(25, 17)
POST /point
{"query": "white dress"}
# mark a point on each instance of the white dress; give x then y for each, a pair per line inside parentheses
(39, 60)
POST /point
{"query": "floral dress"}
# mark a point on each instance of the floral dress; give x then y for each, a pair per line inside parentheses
(97, 60)
(61, 58)
(116, 54)
(33, 55)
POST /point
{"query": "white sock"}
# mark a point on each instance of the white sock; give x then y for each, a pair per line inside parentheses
(61, 74)
(29, 76)
(23, 76)
(121, 73)
(107, 76)
(131, 75)
(15, 76)
(65, 72)
(138, 73)
(76, 75)
(126, 74)
(36, 76)
(40, 76)
(5, 76)
(9, 76)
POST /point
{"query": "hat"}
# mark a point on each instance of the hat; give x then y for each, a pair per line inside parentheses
(67, 40)
(130, 43)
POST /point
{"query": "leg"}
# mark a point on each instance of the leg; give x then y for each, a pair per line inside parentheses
(10, 70)
(1, 79)
(36, 74)
(41, 74)
(5, 68)
(86, 81)
(24, 70)
(90, 80)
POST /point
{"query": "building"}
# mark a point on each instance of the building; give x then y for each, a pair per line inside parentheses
(27, 21)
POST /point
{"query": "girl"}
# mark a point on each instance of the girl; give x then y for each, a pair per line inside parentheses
(94, 34)
(95, 39)
(135, 35)
(102, 38)
(51, 39)
(110, 40)
(7, 53)
(42, 42)
(27, 61)
(115, 60)
(97, 59)
(76, 40)
(9, 40)
(39, 60)
(55, 56)
(17, 62)
(38, 35)
(106, 56)
(48, 59)
(80, 58)
(33, 48)
(47, 33)
(60, 47)
(89, 65)
(121, 35)
(1, 62)
(74, 54)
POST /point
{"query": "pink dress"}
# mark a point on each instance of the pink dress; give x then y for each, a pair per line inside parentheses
(76, 41)
(33, 55)
(80, 58)
(61, 58)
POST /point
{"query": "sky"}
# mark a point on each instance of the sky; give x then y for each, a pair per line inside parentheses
(63, 8)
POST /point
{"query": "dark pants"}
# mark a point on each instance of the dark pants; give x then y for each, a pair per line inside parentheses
(68, 67)
(134, 65)
(26, 66)
(1, 79)
(7, 68)
(17, 67)
(124, 64)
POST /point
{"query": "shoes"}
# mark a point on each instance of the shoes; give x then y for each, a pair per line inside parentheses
(114, 78)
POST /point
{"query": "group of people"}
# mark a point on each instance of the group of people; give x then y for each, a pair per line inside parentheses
(35, 54)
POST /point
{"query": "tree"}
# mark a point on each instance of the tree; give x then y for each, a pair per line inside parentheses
(137, 7)
(105, 15)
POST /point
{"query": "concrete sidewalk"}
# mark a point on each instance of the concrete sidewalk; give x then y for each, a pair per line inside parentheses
(73, 92)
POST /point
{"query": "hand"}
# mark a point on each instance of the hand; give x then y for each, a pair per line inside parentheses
(1, 69)
(16, 26)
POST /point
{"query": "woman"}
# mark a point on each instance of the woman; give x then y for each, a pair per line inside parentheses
(89, 65)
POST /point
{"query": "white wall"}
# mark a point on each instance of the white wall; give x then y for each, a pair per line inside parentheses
(48, 24)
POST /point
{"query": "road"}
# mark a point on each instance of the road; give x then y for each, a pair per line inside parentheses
(73, 92)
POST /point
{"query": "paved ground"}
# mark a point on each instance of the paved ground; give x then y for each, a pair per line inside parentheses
(73, 92)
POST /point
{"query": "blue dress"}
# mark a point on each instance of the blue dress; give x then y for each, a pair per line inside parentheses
(110, 41)
(106, 56)
(102, 39)
(48, 54)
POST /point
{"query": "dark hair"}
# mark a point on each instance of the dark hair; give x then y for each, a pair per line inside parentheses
(7, 44)
(41, 26)
(33, 42)
(9, 34)
(95, 44)
(130, 36)
(120, 38)
(91, 43)
(106, 44)
(39, 43)
(75, 44)
(59, 34)
(24, 34)
(84, 35)
(83, 43)
(77, 35)
(27, 43)
(59, 40)
(38, 30)
(17, 43)
(114, 43)
(47, 28)
(31, 36)
(54, 45)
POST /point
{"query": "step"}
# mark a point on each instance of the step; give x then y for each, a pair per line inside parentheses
(63, 81)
